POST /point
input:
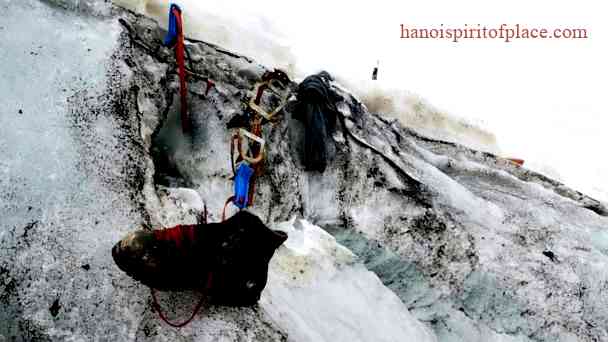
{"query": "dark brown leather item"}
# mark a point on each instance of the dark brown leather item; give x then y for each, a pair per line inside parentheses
(235, 252)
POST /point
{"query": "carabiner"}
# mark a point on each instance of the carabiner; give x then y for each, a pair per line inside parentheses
(238, 139)
(267, 83)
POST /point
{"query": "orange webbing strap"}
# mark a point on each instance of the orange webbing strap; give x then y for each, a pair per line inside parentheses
(256, 129)
(181, 70)
(197, 308)
(516, 161)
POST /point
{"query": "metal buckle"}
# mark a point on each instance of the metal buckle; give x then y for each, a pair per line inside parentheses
(258, 90)
(251, 160)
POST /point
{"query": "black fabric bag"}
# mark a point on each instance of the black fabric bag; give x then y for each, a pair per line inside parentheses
(317, 110)
(228, 260)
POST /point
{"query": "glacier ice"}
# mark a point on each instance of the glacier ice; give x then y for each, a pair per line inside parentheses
(90, 151)
(317, 292)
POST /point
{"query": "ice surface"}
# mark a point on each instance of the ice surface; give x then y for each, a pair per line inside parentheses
(459, 237)
(49, 202)
(69, 190)
(89, 7)
(317, 292)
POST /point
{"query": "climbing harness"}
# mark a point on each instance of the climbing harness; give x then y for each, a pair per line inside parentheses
(175, 38)
(269, 79)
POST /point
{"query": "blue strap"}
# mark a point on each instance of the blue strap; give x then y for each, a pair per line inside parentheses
(171, 37)
(241, 184)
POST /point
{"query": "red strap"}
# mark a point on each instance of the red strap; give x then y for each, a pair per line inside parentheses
(257, 130)
(181, 69)
(196, 309)
(258, 96)
(210, 85)
(228, 201)
(178, 234)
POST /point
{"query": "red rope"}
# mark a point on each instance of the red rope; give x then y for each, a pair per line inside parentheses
(181, 68)
(179, 234)
(229, 200)
(256, 128)
(258, 96)
(210, 84)
(196, 309)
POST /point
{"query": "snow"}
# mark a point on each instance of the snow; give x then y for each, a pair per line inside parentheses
(318, 292)
(179, 206)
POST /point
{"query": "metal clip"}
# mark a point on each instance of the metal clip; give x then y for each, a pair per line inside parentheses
(259, 89)
(251, 160)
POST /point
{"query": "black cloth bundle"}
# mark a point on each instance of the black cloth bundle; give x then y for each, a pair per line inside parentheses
(228, 260)
(316, 109)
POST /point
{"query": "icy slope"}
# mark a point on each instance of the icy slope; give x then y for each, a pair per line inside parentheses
(479, 249)
(72, 172)
(474, 248)
(69, 189)
(317, 292)
(317, 289)
(58, 212)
